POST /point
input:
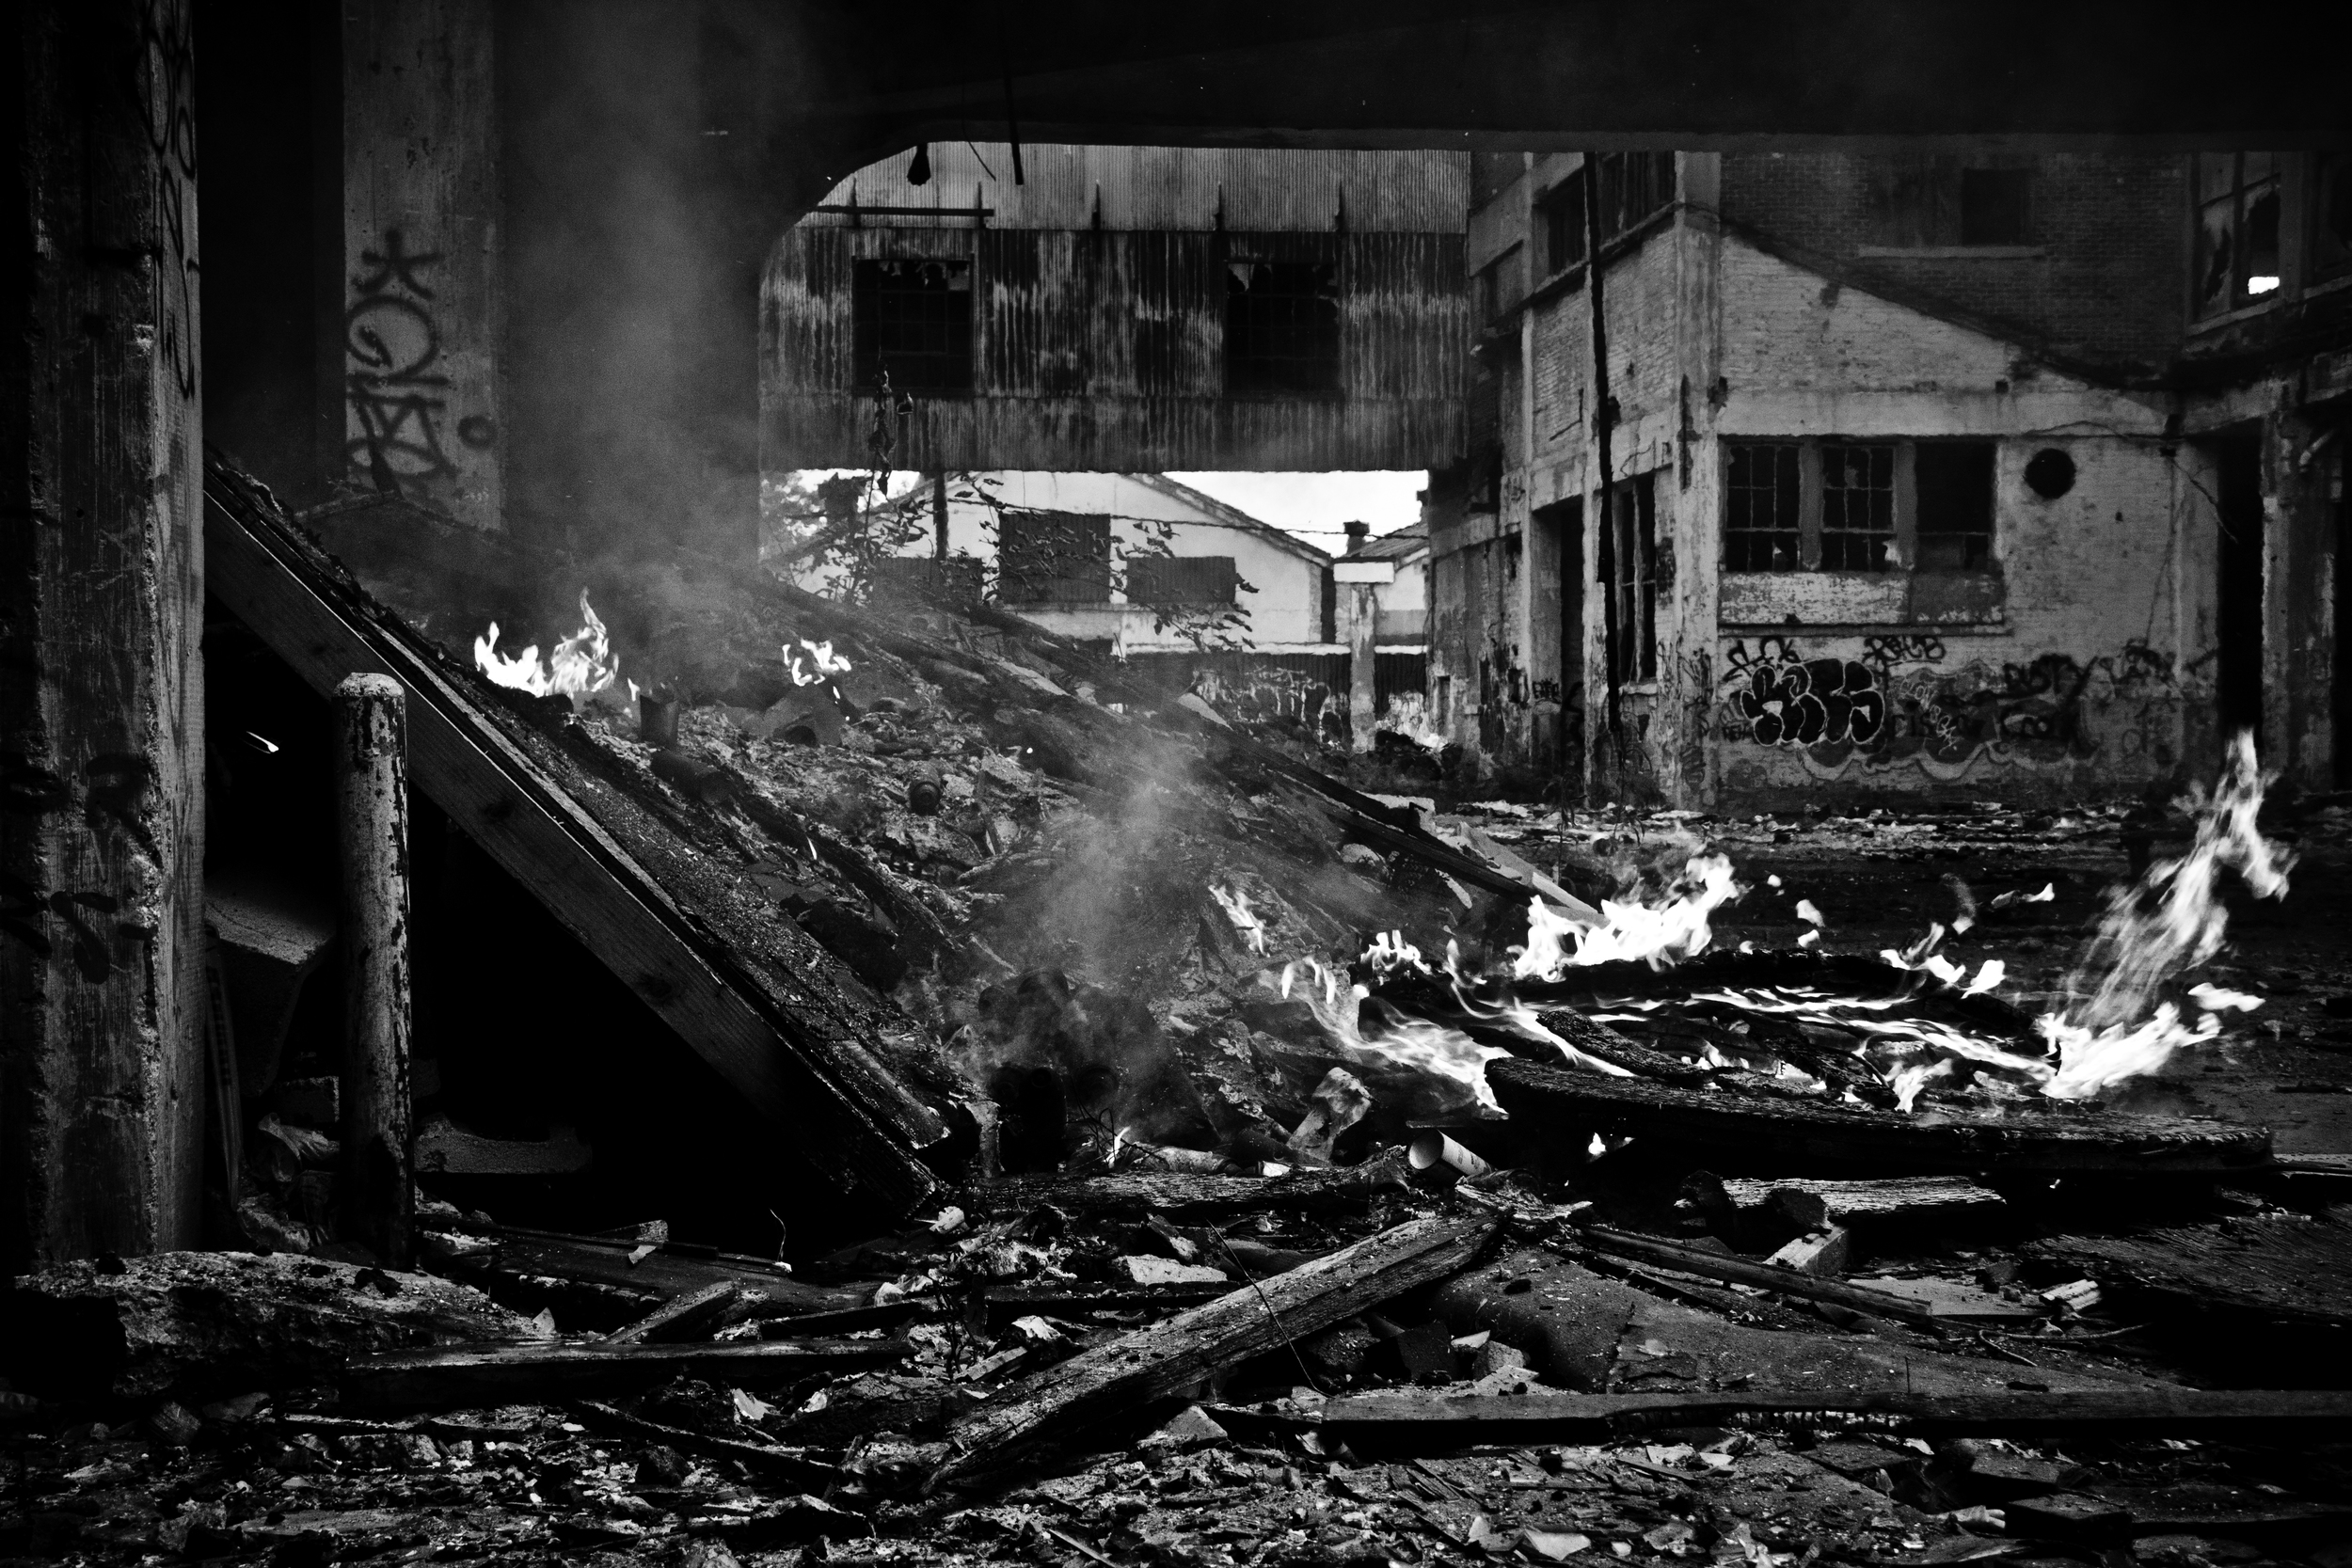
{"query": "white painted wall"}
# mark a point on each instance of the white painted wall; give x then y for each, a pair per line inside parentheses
(1282, 597)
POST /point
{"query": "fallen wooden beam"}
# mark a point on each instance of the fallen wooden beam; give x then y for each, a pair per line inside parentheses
(742, 989)
(2282, 1270)
(463, 1374)
(1743, 1271)
(1114, 1378)
(690, 1316)
(665, 1273)
(781, 1465)
(1185, 1196)
(1810, 1203)
(1406, 1417)
(1564, 1109)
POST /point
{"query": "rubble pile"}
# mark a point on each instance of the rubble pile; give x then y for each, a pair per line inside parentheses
(1300, 1189)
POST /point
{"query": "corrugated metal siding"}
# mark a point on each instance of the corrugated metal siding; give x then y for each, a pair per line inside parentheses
(1105, 351)
(1178, 187)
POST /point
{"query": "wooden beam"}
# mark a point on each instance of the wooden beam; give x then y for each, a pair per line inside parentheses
(461, 1374)
(2024, 1414)
(371, 810)
(1567, 1108)
(841, 1108)
(1115, 1377)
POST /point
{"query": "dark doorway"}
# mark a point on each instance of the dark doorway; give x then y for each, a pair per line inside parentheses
(2341, 697)
(2238, 675)
(1556, 645)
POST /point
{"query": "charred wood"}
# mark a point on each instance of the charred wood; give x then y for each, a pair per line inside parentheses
(458, 1375)
(690, 1316)
(1565, 1108)
(784, 1465)
(1109, 1380)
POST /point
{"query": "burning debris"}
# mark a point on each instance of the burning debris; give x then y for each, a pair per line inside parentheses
(1255, 1169)
(582, 664)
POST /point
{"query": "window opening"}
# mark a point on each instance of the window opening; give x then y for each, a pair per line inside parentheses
(1281, 326)
(1993, 205)
(1631, 565)
(1954, 487)
(914, 318)
(1183, 579)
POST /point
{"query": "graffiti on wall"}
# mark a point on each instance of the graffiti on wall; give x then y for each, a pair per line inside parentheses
(397, 382)
(1900, 701)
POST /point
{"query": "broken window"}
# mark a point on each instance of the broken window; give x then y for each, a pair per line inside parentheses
(1762, 529)
(1993, 205)
(1952, 482)
(1183, 579)
(1634, 187)
(1281, 326)
(913, 320)
(1858, 506)
(1629, 570)
(2238, 229)
(1054, 558)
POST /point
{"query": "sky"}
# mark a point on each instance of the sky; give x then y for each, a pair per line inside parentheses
(1316, 507)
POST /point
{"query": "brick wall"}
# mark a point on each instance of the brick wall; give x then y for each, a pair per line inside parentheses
(2108, 281)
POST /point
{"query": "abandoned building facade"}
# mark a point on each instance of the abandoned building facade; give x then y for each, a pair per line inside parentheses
(1926, 478)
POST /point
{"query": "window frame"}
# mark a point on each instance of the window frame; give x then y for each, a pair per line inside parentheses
(1631, 533)
(869, 358)
(1812, 499)
(1238, 384)
(2235, 294)
(1149, 565)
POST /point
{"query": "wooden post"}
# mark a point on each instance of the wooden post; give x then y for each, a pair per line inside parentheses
(101, 609)
(372, 798)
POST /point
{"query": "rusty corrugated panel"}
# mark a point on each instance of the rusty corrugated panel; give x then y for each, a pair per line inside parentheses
(1177, 187)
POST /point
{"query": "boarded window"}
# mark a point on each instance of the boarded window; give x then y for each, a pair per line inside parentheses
(1857, 507)
(901, 578)
(2238, 229)
(912, 320)
(1762, 531)
(1629, 570)
(1953, 483)
(1181, 580)
(1054, 558)
(1281, 326)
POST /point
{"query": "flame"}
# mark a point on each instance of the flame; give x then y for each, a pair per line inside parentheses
(582, 664)
(823, 661)
(1236, 907)
(1673, 929)
(1447, 1058)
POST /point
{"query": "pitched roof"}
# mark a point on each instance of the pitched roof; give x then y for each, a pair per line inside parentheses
(1232, 516)
(1402, 545)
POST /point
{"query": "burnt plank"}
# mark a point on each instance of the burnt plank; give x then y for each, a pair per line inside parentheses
(1565, 1108)
(2283, 1269)
(463, 1375)
(1114, 1378)
(2020, 1414)
(647, 909)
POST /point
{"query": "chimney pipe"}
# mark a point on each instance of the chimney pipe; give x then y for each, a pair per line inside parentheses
(1357, 534)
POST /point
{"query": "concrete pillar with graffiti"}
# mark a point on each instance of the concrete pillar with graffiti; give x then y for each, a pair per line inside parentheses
(420, 252)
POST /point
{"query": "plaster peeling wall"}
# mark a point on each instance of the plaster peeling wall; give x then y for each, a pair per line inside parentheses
(2062, 674)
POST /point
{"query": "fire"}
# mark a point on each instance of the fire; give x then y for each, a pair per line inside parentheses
(1236, 907)
(582, 664)
(823, 661)
(1667, 932)
(1446, 1060)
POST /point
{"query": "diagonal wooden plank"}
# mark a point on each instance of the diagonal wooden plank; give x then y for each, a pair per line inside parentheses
(843, 1109)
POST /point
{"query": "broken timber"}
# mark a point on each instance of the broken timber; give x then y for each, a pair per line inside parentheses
(1403, 1417)
(1563, 1108)
(472, 1375)
(1117, 1377)
(1188, 1196)
(1743, 1271)
(766, 1029)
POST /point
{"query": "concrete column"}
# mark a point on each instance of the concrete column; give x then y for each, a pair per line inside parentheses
(1359, 583)
(101, 594)
(422, 308)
